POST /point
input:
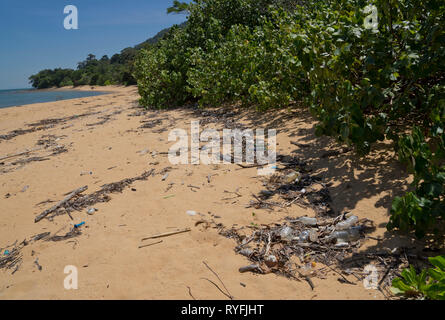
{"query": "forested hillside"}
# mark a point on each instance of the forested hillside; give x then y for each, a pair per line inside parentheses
(92, 71)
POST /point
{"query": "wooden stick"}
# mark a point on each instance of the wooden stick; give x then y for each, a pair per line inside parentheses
(151, 244)
(167, 234)
(20, 154)
(61, 203)
(229, 295)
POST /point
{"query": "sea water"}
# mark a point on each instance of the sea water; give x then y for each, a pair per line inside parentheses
(19, 97)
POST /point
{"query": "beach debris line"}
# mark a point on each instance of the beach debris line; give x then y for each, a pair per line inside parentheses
(60, 204)
(43, 125)
(271, 249)
(47, 144)
(11, 260)
(294, 185)
(75, 201)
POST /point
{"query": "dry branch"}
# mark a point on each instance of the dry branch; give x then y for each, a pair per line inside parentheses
(61, 203)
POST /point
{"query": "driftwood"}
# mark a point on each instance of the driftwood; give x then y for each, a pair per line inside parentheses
(61, 203)
(167, 234)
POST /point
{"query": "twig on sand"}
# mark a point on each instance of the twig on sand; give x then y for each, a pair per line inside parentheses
(308, 280)
(217, 287)
(151, 244)
(167, 234)
(190, 293)
(343, 277)
(230, 296)
(61, 203)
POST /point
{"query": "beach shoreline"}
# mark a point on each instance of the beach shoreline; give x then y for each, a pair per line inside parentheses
(51, 149)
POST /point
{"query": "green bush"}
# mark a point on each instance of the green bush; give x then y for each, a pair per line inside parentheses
(430, 283)
(161, 71)
(363, 85)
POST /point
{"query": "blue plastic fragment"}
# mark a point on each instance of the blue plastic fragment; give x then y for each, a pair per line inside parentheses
(79, 225)
(6, 252)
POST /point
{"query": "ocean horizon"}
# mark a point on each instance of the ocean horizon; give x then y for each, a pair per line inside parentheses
(20, 97)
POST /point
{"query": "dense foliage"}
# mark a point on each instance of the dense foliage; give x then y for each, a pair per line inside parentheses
(363, 84)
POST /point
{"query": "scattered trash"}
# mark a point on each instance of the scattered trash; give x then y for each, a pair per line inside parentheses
(270, 248)
(165, 177)
(292, 177)
(349, 222)
(307, 221)
(79, 225)
(74, 201)
(191, 213)
(271, 261)
(351, 234)
(24, 188)
(91, 211)
(84, 173)
(6, 252)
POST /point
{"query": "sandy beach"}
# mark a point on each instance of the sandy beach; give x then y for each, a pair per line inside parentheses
(48, 150)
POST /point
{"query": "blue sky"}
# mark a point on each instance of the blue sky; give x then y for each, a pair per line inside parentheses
(32, 36)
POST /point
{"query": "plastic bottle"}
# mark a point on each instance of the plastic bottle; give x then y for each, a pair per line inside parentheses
(307, 221)
(348, 223)
(303, 236)
(286, 233)
(292, 177)
(247, 252)
(351, 234)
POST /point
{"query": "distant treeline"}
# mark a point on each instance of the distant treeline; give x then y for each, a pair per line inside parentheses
(99, 72)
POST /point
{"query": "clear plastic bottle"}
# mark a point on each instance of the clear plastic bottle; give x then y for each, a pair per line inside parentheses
(287, 233)
(303, 236)
(348, 223)
(307, 221)
(351, 234)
